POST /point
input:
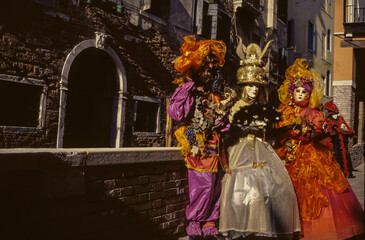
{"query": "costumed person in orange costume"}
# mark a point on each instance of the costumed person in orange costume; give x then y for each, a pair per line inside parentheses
(196, 105)
(328, 207)
(258, 198)
(337, 133)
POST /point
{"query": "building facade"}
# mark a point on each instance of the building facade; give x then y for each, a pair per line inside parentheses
(349, 44)
(98, 73)
(310, 36)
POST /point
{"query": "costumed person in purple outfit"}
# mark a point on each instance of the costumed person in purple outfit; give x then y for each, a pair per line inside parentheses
(196, 104)
(337, 133)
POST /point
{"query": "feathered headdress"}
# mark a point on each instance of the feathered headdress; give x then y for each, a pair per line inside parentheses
(195, 51)
(296, 76)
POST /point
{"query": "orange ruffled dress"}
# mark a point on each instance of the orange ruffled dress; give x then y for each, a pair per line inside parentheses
(328, 207)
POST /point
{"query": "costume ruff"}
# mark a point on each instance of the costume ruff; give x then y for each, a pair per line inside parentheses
(328, 207)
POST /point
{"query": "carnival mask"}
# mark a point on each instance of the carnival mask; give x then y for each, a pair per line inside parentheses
(207, 68)
(209, 73)
(300, 94)
(252, 90)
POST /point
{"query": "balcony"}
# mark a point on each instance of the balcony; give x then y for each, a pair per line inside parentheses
(354, 18)
(252, 6)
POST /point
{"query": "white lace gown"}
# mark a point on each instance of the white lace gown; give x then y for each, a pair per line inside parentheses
(257, 197)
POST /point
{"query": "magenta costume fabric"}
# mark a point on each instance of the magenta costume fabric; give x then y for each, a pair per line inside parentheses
(204, 185)
(204, 196)
(181, 101)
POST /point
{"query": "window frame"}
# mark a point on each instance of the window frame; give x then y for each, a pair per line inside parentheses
(149, 7)
(42, 102)
(158, 115)
(328, 85)
(329, 41)
(312, 34)
(324, 45)
(290, 43)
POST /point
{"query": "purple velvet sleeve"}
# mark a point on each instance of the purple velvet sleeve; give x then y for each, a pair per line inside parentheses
(181, 101)
(222, 124)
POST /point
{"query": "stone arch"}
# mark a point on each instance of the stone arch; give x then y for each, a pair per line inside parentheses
(118, 118)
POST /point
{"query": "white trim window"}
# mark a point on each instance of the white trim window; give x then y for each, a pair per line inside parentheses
(206, 19)
(329, 41)
(22, 102)
(328, 83)
(324, 47)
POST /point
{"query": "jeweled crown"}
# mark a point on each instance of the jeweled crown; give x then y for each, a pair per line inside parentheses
(252, 67)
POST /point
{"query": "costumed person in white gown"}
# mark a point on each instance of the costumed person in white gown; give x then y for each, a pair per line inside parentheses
(258, 198)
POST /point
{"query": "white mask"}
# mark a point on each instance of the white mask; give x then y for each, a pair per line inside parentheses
(252, 91)
(300, 94)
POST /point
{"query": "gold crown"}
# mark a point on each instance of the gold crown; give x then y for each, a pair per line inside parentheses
(252, 66)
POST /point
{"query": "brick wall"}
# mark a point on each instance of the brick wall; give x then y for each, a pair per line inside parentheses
(93, 194)
(344, 98)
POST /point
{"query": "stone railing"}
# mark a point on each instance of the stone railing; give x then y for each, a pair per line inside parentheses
(128, 193)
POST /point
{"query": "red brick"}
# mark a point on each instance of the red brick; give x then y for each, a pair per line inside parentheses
(109, 184)
(176, 222)
(144, 170)
(128, 170)
(156, 195)
(170, 192)
(128, 200)
(143, 214)
(142, 206)
(157, 203)
(180, 191)
(123, 182)
(163, 226)
(143, 179)
(159, 168)
(114, 193)
(175, 175)
(127, 191)
(173, 200)
(157, 212)
(142, 188)
(175, 207)
(167, 217)
(156, 187)
(182, 182)
(175, 167)
(169, 184)
(157, 220)
(143, 197)
(180, 228)
(158, 178)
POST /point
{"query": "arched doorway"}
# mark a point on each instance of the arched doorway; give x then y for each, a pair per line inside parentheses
(92, 89)
(92, 97)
